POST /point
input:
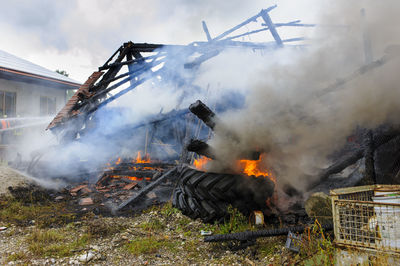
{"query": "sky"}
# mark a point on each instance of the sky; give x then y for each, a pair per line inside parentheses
(79, 35)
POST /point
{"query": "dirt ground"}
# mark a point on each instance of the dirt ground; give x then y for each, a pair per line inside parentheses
(43, 231)
(156, 237)
(9, 177)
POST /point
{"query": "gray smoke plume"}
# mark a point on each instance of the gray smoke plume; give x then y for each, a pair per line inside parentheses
(292, 119)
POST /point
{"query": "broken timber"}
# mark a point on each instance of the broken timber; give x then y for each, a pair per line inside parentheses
(378, 140)
(74, 119)
(203, 113)
(201, 148)
(145, 190)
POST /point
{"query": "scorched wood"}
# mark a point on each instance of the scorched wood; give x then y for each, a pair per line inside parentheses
(378, 139)
(201, 148)
(203, 113)
(145, 190)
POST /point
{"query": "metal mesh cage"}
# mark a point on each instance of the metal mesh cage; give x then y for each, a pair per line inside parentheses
(367, 217)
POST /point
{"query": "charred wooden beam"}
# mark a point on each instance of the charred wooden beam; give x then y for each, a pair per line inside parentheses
(345, 161)
(251, 235)
(185, 158)
(124, 172)
(145, 190)
(370, 176)
(112, 72)
(271, 26)
(127, 165)
(203, 113)
(201, 148)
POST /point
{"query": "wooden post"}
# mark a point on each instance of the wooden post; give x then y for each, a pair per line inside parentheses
(370, 176)
(272, 28)
(185, 153)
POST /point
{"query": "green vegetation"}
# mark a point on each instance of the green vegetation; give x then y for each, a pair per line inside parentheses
(237, 223)
(153, 225)
(96, 227)
(267, 247)
(149, 245)
(17, 256)
(316, 247)
(44, 214)
(167, 210)
(54, 242)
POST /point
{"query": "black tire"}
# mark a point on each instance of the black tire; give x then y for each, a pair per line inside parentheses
(207, 195)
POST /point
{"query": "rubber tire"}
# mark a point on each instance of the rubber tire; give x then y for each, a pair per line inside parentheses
(207, 195)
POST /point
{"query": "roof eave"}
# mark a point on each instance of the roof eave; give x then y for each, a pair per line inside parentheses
(17, 75)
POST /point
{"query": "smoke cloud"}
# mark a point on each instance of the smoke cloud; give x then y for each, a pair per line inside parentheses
(287, 114)
(284, 110)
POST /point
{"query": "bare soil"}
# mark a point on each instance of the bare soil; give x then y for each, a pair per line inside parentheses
(10, 178)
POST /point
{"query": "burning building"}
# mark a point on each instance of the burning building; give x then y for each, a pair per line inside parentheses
(264, 152)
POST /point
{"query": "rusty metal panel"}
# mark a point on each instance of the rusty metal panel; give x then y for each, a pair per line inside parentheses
(67, 110)
(367, 217)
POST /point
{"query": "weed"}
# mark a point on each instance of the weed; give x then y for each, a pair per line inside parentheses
(18, 212)
(153, 225)
(53, 242)
(149, 245)
(167, 210)
(17, 256)
(316, 247)
(267, 246)
(98, 227)
(237, 223)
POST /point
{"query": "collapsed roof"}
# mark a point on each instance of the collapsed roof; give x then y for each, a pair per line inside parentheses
(146, 61)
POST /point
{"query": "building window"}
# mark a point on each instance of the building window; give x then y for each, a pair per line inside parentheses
(7, 104)
(47, 105)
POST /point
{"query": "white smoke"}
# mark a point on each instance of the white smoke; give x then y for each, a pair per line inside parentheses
(288, 116)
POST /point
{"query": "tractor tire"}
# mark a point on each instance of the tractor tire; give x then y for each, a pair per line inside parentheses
(207, 195)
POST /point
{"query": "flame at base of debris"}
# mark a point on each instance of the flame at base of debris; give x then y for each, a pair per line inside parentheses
(247, 167)
(253, 167)
(139, 159)
(201, 163)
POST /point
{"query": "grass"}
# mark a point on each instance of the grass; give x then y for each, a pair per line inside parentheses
(267, 247)
(54, 243)
(17, 256)
(96, 228)
(149, 245)
(237, 222)
(316, 247)
(153, 225)
(167, 210)
(44, 214)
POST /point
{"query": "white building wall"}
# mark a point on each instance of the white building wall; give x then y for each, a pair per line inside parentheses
(28, 96)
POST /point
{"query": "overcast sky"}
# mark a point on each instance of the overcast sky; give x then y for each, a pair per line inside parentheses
(80, 35)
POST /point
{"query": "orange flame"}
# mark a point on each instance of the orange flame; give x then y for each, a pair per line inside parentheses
(201, 163)
(139, 159)
(134, 178)
(252, 167)
(118, 161)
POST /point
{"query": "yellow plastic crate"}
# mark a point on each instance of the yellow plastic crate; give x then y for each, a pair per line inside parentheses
(367, 217)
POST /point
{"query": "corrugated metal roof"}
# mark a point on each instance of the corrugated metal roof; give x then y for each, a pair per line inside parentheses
(13, 62)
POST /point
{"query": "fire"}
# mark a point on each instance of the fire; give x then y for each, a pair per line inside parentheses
(139, 159)
(135, 178)
(118, 161)
(201, 163)
(253, 167)
(248, 167)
